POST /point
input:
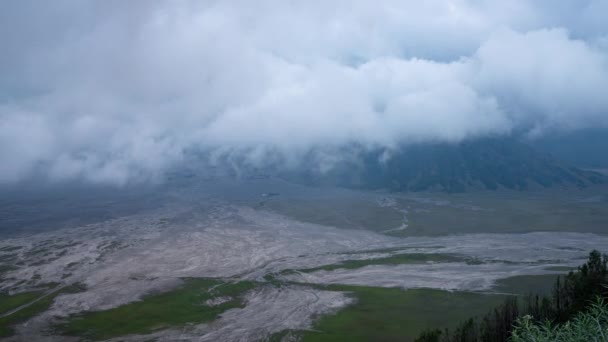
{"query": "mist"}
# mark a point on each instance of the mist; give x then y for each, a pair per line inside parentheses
(118, 92)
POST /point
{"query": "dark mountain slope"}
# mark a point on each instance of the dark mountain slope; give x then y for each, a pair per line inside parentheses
(479, 164)
(587, 148)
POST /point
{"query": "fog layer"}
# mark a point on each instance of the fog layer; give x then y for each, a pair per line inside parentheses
(115, 91)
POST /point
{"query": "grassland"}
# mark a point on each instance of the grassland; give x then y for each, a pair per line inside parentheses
(570, 210)
(382, 314)
(397, 259)
(342, 212)
(390, 314)
(23, 315)
(40, 303)
(436, 213)
(10, 302)
(179, 307)
(527, 284)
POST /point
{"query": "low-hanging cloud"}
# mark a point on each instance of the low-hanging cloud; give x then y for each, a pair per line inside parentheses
(117, 91)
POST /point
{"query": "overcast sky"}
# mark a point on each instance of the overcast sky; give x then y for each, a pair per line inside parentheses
(115, 91)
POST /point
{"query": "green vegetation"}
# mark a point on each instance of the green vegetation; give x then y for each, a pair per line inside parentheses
(285, 335)
(397, 259)
(271, 278)
(434, 213)
(349, 213)
(391, 314)
(561, 268)
(24, 314)
(40, 303)
(585, 326)
(570, 298)
(10, 302)
(175, 308)
(527, 284)
(508, 212)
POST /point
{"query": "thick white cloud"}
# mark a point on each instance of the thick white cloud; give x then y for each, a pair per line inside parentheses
(545, 78)
(115, 91)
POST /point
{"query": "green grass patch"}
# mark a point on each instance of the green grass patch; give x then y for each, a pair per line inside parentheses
(23, 315)
(436, 213)
(391, 314)
(527, 284)
(397, 259)
(342, 212)
(175, 308)
(288, 335)
(564, 269)
(507, 212)
(8, 303)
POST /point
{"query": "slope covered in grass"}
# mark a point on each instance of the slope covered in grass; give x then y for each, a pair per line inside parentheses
(187, 304)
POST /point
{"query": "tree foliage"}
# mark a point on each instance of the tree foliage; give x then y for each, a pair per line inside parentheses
(591, 325)
(572, 296)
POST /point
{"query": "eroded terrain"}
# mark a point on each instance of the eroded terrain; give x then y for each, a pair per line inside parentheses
(261, 238)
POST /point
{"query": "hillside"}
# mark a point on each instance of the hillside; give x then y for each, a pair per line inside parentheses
(481, 164)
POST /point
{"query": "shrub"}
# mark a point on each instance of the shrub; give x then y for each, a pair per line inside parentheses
(591, 325)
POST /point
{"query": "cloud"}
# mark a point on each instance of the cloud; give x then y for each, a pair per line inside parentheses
(545, 78)
(116, 91)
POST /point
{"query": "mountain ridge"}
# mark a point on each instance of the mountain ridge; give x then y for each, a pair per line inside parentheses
(489, 163)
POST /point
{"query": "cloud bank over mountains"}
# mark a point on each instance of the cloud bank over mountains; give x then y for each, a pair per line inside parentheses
(116, 91)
